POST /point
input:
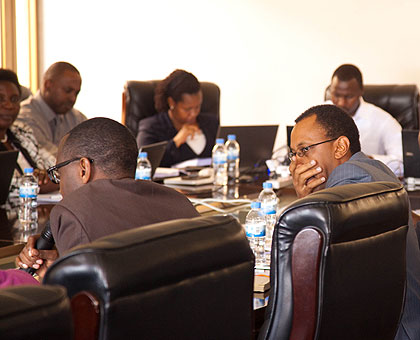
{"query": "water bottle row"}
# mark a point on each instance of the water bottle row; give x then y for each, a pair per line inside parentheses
(260, 222)
(225, 160)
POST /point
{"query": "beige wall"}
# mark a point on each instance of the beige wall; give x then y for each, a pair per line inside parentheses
(271, 59)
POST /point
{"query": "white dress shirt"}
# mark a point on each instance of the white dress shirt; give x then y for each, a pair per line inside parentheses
(380, 135)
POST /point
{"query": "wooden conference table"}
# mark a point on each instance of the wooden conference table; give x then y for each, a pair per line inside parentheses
(232, 199)
(12, 239)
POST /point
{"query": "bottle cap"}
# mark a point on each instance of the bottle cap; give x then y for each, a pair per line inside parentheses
(220, 141)
(28, 170)
(231, 137)
(143, 154)
(255, 205)
(267, 185)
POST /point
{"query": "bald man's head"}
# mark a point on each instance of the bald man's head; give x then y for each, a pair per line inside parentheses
(60, 86)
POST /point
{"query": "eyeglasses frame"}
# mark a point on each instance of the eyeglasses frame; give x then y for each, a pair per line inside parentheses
(50, 170)
(302, 151)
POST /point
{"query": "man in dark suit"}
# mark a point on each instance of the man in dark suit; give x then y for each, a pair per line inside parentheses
(96, 163)
(325, 152)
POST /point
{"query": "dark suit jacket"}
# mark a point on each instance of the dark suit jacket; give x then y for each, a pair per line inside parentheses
(104, 207)
(360, 169)
(159, 128)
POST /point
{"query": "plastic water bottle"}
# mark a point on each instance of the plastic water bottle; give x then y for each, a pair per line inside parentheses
(232, 149)
(28, 192)
(219, 159)
(144, 169)
(255, 232)
(268, 199)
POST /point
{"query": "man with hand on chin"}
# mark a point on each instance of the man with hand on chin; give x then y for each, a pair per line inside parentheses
(325, 152)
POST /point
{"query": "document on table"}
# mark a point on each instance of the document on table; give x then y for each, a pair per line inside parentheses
(193, 162)
(53, 197)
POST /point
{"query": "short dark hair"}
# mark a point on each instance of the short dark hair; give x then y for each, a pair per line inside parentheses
(175, 85)
(335, 123)
(110, 144)
(348, 72)
(10, 76)
(58, 69)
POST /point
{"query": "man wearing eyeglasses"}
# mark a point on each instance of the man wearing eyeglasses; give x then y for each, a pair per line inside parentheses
(95, 168)
(325, 152)
(380, 133)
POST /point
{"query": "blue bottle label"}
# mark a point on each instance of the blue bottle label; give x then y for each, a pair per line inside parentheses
(255, 229)
(28, 191)
(144, 174)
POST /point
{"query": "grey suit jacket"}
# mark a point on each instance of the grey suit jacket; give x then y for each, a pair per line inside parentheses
(360, 169)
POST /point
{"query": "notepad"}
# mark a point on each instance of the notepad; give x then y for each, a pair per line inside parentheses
(261, 283)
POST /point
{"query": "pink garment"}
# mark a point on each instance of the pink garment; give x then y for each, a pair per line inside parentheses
(16, 277)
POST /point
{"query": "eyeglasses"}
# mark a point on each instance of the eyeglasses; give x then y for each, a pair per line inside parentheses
(302, 151)
(53, 173)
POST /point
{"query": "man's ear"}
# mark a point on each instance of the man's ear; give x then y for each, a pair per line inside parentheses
(85, 170)
(171, 102)
(47, 84)
(342, 147)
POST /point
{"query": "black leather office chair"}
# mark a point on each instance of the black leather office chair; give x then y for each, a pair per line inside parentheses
(338, 265)
(182, 279)
(35, 312)
(401, 101)
(25, 92)
(138, 101)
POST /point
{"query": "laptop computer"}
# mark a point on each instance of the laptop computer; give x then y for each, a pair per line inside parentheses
(155, 153)
(411, 153)
(256, 143)
(7, 167)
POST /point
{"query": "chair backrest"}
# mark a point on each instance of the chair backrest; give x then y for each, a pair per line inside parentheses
(25, 92)
(338, 264)
(401, 101)
(138, 101)
(182, 279)
(35, 312)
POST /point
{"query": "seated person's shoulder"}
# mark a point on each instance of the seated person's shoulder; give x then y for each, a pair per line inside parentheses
(380, 112)
(159, 118)
(20, 128)
(349, 172)
(80, 117)
(154, 129)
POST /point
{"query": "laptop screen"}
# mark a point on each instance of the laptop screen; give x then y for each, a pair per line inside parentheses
(7, 167)
(256, 142)
(155, 154)
(411, 153)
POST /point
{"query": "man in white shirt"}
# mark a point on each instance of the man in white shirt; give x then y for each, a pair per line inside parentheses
(380, 133)
(50, 111)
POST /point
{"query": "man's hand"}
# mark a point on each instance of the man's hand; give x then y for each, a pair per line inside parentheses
(30, 257)
(303, 177)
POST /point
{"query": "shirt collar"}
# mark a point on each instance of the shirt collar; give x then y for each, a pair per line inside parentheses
(46, 110)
